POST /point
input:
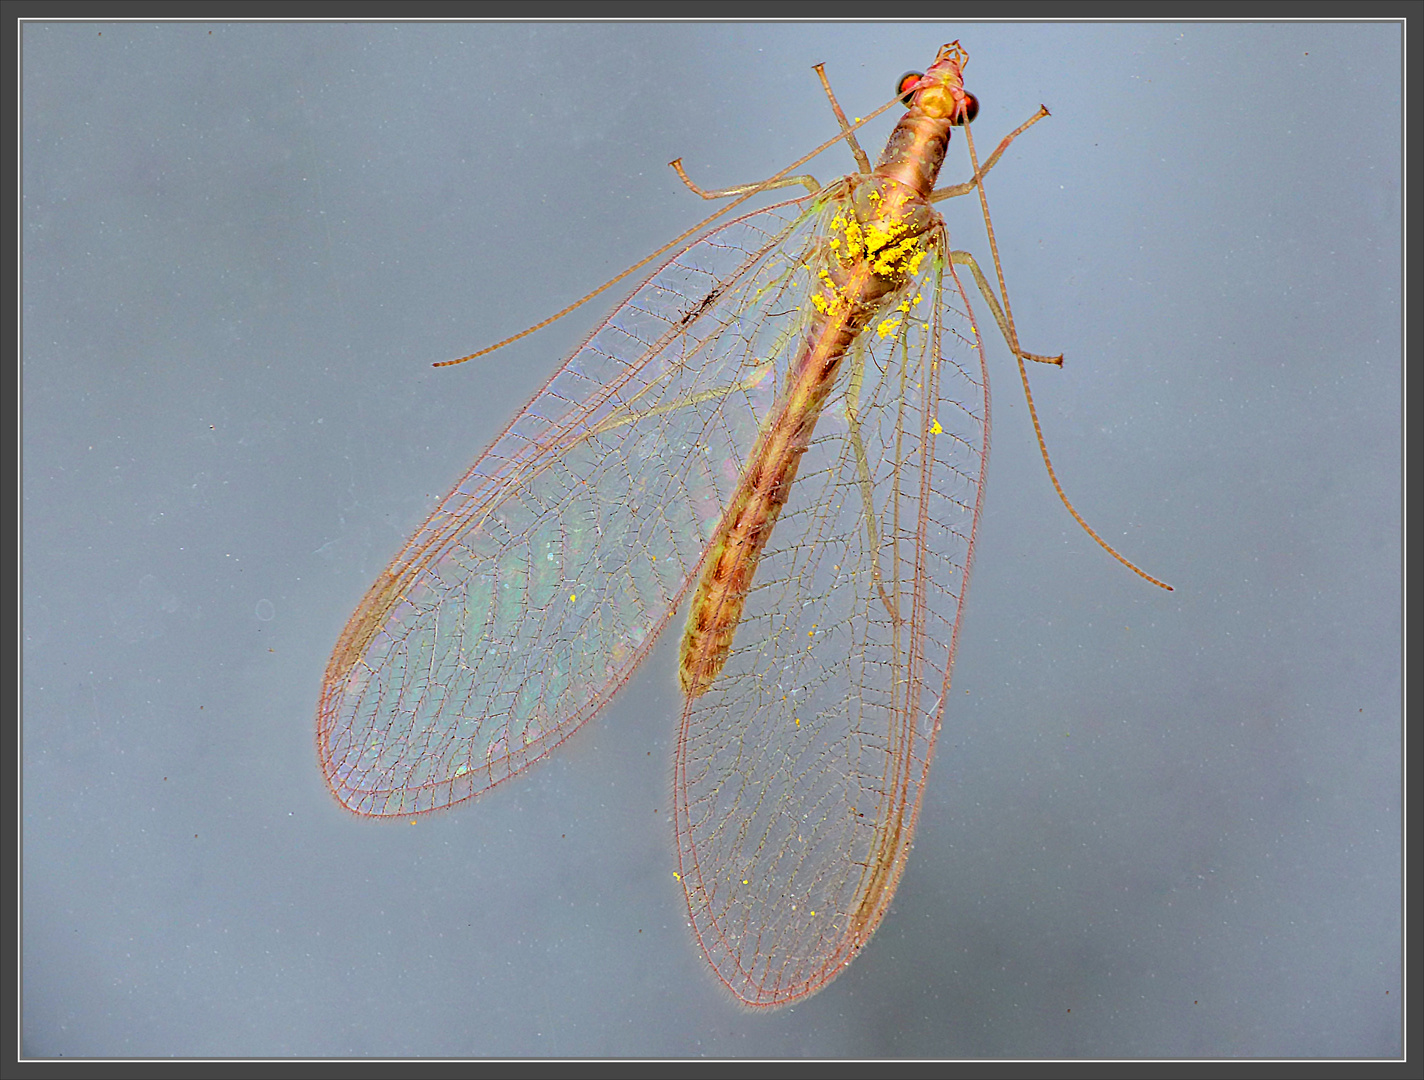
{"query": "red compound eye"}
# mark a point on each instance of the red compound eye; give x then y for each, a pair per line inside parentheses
(906, 85)
(971, 108)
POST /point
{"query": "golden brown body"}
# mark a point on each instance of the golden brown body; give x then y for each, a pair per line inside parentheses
(882, 243)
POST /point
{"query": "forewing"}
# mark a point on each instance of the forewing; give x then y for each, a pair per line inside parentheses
(799, 773)
(535, 587)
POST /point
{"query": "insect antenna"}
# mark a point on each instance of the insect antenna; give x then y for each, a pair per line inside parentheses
(1023, 377)
(743, 196)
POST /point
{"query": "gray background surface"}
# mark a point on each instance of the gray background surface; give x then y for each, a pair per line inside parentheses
(1159, 824)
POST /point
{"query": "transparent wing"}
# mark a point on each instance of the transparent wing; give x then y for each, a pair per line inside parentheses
(534, 589)
(799, 773)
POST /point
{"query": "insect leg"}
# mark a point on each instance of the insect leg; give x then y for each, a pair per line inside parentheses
(964, 258)
(780, 180)
(745, 189)
(969, 185)
(860, 159)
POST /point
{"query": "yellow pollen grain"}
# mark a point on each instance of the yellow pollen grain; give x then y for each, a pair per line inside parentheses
(854, 238)
(887, 261)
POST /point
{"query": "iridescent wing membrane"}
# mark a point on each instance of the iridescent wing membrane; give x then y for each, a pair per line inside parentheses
(799, 773)
(535, 588)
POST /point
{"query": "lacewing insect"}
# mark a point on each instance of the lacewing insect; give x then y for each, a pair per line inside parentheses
(787, 422)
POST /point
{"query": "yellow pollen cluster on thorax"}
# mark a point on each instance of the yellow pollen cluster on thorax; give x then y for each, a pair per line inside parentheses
(892, 253)
(886, 247)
